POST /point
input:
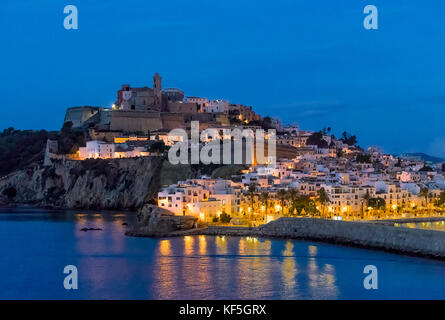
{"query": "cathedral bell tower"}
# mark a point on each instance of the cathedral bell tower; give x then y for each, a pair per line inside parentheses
(157, 89)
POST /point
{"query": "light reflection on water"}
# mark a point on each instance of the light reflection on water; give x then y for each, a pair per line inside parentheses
(289, 270)
(435, 225)
(246, 267)
(35, 245)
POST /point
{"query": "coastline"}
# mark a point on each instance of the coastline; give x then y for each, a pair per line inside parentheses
(375, 236)
(199, 261)
(379, 235)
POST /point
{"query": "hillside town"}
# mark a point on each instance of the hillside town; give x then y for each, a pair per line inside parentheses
(316, 174)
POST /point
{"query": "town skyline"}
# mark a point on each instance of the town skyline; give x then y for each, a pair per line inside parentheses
(333, 130)
(316, 69)
(222, 155)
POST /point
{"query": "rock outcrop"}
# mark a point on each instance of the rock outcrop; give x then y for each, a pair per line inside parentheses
(157, 222)
(3, 200)
(100, 184)
(89, 184)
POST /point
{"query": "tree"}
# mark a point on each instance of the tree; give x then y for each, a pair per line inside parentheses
(157, 147)
(363, 158)
(265, 200)
(225, 218)
(426, 169)
(282, 197)
(7, 132)
(349, 139)
(377, 203)
(292, 196)
(267, 123)
(323, 198)
(424, 193)
(316, 139)
(326, 130)
(251, 194)
(366, 199)
(304, 205)
(441, 200)
(70, 139)
(20, 148)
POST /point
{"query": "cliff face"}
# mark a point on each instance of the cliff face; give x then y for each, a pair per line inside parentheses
(90, 184)
(157, 222)
(100, 184)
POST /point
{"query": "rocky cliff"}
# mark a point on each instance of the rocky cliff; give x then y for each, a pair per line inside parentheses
(90, 184)
(100, 184)
(157, 222)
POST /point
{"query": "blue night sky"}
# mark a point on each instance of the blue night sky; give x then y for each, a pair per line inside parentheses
(309, 62)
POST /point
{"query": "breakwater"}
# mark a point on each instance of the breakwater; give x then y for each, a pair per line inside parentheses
(408, 220)
(418, 242)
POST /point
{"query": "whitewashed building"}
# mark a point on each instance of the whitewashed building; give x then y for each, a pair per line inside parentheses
(96, 149)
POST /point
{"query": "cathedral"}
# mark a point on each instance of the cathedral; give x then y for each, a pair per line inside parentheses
(145, 109)
(145, 98)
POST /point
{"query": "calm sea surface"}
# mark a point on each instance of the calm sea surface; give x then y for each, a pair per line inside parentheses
(36, 245)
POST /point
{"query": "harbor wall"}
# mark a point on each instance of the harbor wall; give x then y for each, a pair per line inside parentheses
(417, 242)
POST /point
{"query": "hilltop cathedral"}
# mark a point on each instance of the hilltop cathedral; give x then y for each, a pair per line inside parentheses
(141, 98)
(152, 109)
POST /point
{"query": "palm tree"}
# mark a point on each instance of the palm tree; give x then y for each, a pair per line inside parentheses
(365, 202)
(323, 198)
(282, 196)
(292, 195)
(367, 197)
(251, 193)
(424, 193)
(265, 200)
(441, 200)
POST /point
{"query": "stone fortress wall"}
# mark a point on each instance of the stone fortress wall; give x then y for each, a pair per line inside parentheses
(143, 109)
(150, 109)
(79, 115)
(135, 120)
